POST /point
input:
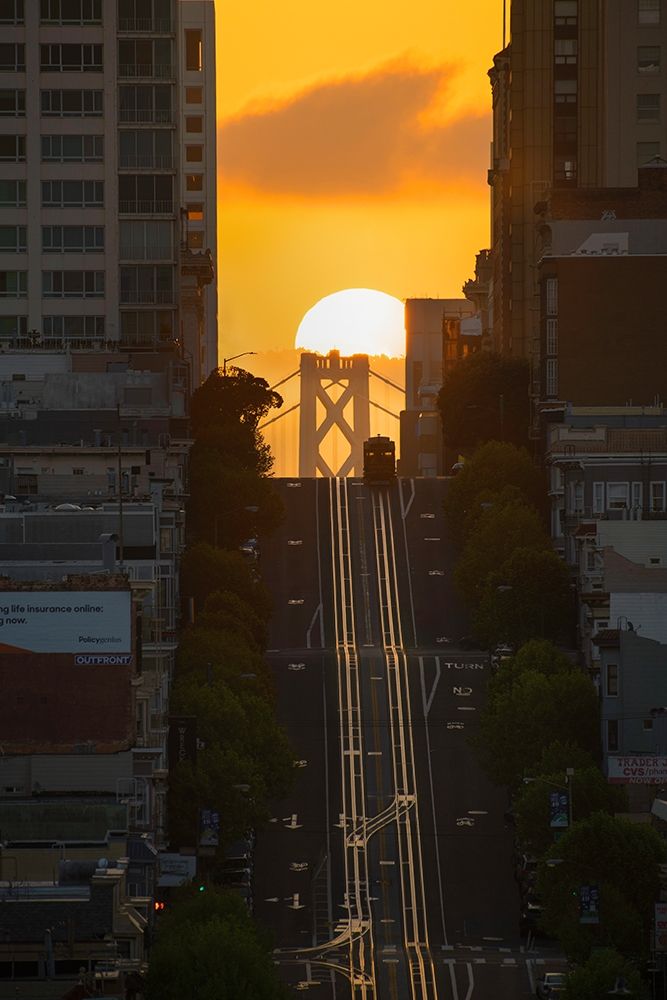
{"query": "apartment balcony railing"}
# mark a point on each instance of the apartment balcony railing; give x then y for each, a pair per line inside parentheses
(135, 161)
(147, 116)
(146, 25)
(146, 296)
(149, 71)
(146, 207)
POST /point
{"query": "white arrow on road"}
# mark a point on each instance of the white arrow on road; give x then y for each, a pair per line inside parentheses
(295, 904)
(273, 899)
(298, 866)
(290, 822)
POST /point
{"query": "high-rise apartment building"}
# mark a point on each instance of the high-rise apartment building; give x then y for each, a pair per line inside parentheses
(579, 99)
(107, 175)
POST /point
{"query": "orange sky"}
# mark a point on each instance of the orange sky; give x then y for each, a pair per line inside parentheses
(354, 142)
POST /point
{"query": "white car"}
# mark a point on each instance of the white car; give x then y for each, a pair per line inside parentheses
(551, 984)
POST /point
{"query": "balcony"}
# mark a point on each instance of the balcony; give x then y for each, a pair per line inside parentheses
(136, 161)
(146, 296)
(146, 71)
(146, 207)
(146, 25)
(146, 116)
(139, 251)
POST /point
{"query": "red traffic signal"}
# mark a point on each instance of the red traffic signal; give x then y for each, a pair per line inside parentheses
(159, 904)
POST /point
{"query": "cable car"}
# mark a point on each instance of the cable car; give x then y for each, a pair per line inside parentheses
(379, 461)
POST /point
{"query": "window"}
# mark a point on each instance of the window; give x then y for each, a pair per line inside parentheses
(72, 239)
(13, 284)
(145, 57)
(146, 327)
(552, 336)
(194, 182)
(75, 327)
(12, 57)
(73, 284)
(143, 240)
(194, 123)
(13, 239)
(71, 11)
(57, 58)
(552, 296)
(648, 725)
(195, 212)
(145, 193)
(147, 285)
(565, 51)
(637, 496)
(11, 12)
(194, 95)
(565, 91)
(598, 498)
(565, 130)
(612, 735)
(565, 168)
(72, 148)
(12, 194)
(144, 15)
(194, 154)
(145, 149)
(72, 194)
(72, 103)
(648, 59)
(617, 496)
(145, 103)
(648, 11)
(612, 680)
(12, 148)
(193, 50)
(565, 11)
(646, 151)
(195, 240)
(12, 327)
(12, 103)
(552, 377)
(648, 107)
(657, 497)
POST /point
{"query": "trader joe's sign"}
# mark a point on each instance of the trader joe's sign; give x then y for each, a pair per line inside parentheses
(636, 770)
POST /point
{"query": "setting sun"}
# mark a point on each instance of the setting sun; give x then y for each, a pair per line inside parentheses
(354, 321)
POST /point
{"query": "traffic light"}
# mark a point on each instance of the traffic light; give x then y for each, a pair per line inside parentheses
(201, 887)
(159, 905)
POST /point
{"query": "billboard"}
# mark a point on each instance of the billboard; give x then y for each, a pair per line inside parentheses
(589, 904)
(96, 624)
(558, 810)
(648, 769)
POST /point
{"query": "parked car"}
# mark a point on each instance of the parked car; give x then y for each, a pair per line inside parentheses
(551, 984)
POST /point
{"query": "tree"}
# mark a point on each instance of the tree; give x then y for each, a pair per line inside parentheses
(623, 860)
(528, 595)
(485, 397)
(498, 532)
(245, 762)
(206, 653)
(589, 792)
(237, 397)
(228, 505)
(535, 656)
(208, 948)
(518, 723)
(493, 467)
(227, 612)
(598, 975)
(205, 569)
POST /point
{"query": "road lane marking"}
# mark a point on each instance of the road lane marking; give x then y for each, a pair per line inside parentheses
(466, 708)
(427, 702)
(295, 600)
(483, 812)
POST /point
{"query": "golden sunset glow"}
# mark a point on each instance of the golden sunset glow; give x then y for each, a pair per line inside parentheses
(354, 321)
(354, 143)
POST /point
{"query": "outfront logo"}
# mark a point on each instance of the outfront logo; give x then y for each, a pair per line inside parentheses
(111, 659)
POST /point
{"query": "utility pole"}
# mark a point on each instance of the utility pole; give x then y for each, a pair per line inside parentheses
(120, 488)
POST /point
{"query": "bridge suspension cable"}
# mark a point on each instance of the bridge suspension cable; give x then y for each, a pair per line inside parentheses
(387, 380)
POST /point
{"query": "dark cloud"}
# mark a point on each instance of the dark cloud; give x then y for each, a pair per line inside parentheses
(364, 135)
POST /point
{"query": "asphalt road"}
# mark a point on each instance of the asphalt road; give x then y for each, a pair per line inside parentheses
(390, 864)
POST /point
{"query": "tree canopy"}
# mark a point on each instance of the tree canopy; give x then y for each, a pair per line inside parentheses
(205, 569)
(597, 977)
(237, 398)
(207, 947)
(526, 596)
(623, 860)
(499, 531)
(517, 723)
(485, 397)
(494, 467)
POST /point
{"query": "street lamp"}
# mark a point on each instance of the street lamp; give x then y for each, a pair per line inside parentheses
(569, 774)
(233, 358)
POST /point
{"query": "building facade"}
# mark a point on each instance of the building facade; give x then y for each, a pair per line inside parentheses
(96, 104)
